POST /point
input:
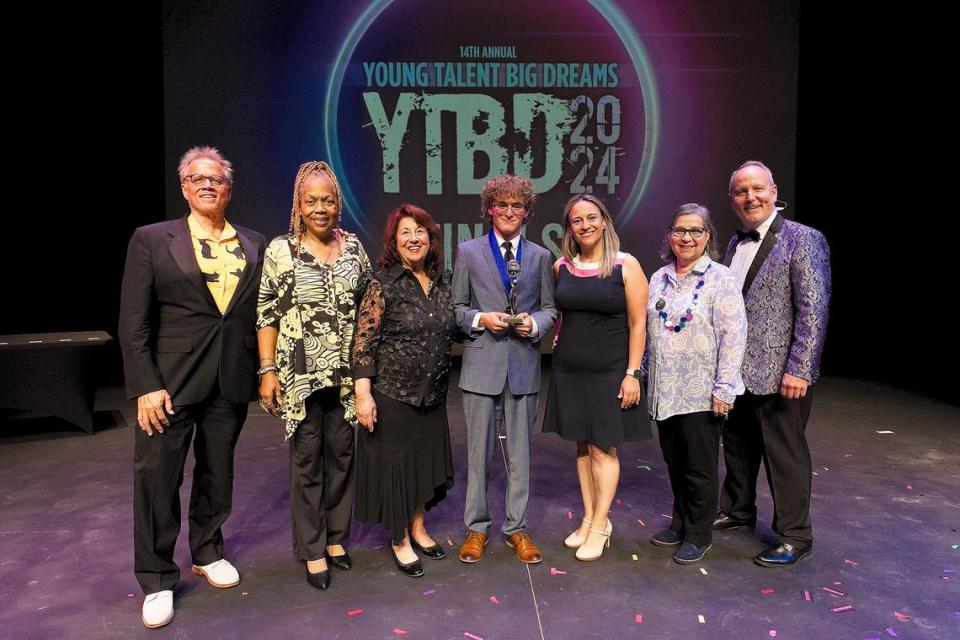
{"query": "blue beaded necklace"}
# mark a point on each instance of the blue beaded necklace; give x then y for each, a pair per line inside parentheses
(685, 317)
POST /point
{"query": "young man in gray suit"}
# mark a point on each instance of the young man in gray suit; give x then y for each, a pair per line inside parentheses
(785, 269)
(500, 376)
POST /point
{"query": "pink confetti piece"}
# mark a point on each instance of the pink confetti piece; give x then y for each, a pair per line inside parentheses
(449, 542)
(909, 487)
(471, 636)
(642, 523)
(891, 632)
(852, 563)
(355, 612)
(429, 592)
(807, 596)
(244, 593)
(767, 591)
(619, 501)
(901, 616)
(399, 632)
(772, 633)
(569, 515)
(838, 583)
(846, 607)
(638, 618)
(833, 592)
(663, 515)
(556, 572)
(494, 600)
(129, 595)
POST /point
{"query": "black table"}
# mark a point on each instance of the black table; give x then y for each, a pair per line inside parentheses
(51, 374)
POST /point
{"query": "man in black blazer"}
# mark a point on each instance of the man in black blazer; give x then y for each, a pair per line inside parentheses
(188, 338)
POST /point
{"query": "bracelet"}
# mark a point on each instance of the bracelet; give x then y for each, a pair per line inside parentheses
(270, 360)
(267, 369)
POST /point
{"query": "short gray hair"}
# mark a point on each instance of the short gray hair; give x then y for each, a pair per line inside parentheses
(750, 163)
(209, 153)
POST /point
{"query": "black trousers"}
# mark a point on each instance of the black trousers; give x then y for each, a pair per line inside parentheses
(691, 448)
(213, 426)
(773, 429)
(321, 476)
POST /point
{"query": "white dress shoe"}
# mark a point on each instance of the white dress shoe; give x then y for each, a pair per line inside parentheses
(220, 574)
(157, 609)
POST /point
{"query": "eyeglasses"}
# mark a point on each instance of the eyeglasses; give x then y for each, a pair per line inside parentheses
(516, 207)
(420, 232)
(197, 179)
(696, 233)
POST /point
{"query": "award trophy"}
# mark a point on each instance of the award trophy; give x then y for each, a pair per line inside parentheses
(513, 271)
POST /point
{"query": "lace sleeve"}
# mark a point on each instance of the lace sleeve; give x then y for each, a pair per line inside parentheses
(366, 338)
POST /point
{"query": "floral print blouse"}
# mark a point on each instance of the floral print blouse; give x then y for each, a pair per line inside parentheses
(313, 306)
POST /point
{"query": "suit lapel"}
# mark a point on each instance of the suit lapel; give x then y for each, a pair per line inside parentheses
(493, 270)
(181, 248)
(249, 252)
(769, 240)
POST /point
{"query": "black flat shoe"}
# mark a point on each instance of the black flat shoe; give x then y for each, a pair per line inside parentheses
(344, 562)
(726, 522)
(435, 552)
(413, 569)
(319, 580)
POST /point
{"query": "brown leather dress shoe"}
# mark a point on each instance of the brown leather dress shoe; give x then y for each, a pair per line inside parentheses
(523, 546)
(472, 548)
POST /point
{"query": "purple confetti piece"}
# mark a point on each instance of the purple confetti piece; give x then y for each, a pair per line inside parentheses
(832, 592)
(471, 636)
(846, 607)
(891, 632)
(807, 597)
(429, 592)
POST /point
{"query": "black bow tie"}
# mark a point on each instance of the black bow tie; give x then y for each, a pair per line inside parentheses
(744, 235)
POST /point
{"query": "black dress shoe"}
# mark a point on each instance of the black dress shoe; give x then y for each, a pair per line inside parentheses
(783, 555)
(435, 552)
(343, 562)
(413, 569)
(726, 522)
(319, 580)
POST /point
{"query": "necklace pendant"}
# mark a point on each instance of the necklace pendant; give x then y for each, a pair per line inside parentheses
(661, 303)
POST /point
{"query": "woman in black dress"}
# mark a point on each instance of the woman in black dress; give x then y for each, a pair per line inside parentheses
(401, 361)
(595, 397)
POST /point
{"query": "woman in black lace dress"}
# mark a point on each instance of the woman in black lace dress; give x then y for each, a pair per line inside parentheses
(401, 360)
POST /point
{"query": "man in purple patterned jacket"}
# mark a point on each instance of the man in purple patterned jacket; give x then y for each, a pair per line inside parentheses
(785, 269)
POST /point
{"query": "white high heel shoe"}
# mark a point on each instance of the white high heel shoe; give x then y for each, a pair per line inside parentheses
(587, 555)
(574, 540)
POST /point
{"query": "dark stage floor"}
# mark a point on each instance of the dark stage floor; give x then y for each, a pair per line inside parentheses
(886, 511)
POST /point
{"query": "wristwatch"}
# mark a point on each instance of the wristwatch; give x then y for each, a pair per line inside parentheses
(634, 372)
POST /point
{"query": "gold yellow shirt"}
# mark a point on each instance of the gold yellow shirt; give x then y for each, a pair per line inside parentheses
(221, 261)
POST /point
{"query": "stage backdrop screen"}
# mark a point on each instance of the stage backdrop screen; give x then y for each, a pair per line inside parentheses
(646, 105)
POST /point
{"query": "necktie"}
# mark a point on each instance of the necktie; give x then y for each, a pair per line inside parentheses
(507, 251)
(751, 235)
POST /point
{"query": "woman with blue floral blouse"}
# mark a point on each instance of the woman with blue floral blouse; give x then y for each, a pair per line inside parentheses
(696, 336)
